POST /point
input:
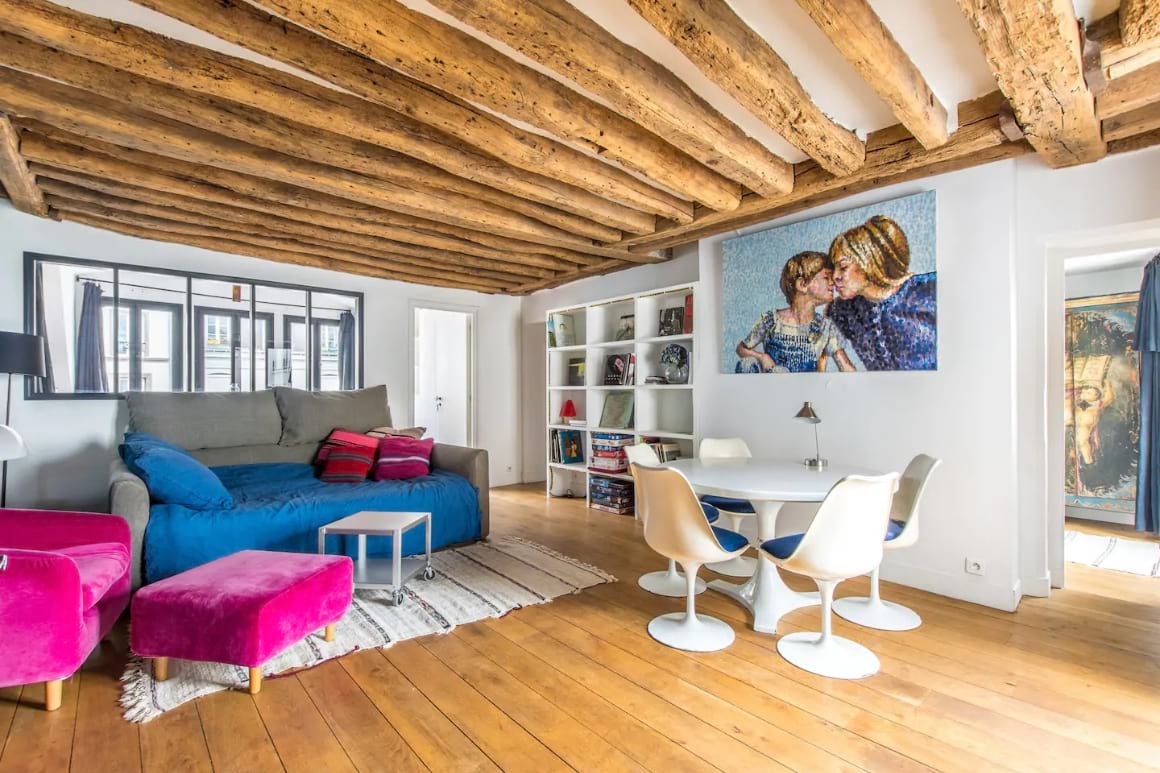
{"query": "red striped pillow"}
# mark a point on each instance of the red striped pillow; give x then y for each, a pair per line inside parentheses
(402, 457)
(347, 464)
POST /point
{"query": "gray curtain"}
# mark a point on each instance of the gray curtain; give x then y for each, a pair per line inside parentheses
(1148, 345)
(46, 385)
(347, 349)
(91, 343)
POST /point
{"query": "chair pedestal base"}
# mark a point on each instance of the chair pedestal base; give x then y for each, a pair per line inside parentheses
(699, 634)
(877, 614)
(667, 584)
(742, 566)
(831, 656)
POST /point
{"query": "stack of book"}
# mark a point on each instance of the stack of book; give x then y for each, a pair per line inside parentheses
(611, 495)
(666, 451)
(608, 452)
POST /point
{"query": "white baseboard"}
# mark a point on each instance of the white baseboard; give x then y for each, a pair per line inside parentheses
(964, 587)
(1037, 586)
(1101, 516)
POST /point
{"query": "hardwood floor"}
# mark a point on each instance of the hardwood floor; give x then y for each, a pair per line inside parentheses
(1067, 683)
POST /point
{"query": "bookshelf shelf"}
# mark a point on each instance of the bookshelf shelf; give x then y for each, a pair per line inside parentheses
(591, 332)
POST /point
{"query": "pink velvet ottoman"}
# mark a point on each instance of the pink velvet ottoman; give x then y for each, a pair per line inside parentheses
(242, 609)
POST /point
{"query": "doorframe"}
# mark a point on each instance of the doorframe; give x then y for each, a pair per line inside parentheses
(472, 313)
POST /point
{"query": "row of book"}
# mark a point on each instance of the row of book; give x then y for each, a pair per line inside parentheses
(611, 495)
(566, 446)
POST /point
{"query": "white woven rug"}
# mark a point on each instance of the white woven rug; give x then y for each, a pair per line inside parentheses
(484, 580)
(1122, 555)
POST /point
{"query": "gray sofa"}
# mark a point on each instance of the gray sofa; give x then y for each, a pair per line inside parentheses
(278, 425)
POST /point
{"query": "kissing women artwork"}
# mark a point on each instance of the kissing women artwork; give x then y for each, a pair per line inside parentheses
(855, 290)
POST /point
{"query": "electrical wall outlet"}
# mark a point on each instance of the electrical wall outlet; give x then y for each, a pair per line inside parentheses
(975, 566)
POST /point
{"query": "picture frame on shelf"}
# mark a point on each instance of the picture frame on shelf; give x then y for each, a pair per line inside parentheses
(577, 368)
(618, 408)
(672, 321)
(565, 329)
(626, 331)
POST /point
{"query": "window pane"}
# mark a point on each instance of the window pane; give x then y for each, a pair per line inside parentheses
(334, 338)
(221, 336)
(281, 313)
(72, 309)
(152, 313)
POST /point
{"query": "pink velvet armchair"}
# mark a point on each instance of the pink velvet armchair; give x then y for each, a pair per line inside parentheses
(64, 581)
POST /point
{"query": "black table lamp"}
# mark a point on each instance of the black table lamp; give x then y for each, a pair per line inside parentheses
(808, 415)
(21, 354)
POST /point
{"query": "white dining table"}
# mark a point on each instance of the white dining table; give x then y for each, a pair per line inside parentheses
(768, 484)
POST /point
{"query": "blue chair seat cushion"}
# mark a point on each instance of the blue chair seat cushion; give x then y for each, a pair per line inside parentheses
(711, 514)
(782, 547)
(728, 504)
(730, 540)
(894, 528)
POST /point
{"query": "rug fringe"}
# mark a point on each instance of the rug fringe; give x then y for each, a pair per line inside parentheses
(136, 696)
(556, 554)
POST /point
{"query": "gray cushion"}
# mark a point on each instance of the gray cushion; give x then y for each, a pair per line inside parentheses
(219, 457)
(308, 417)
(206, 420)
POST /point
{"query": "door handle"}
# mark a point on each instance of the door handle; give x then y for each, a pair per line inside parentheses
(438, 402)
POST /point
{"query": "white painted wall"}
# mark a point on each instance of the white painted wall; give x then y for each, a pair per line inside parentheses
(71, 442)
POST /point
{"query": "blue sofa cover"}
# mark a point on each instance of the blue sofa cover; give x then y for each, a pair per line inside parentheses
(280, 506)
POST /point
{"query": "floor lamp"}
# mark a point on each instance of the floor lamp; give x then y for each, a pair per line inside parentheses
(20, 355)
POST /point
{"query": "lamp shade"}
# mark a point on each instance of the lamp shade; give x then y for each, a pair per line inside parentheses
(21, 353)
(807, 414)
(568, 410)
(11, 444)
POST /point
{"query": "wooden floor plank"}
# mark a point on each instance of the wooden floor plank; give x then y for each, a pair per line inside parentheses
(235, 735)
(366, 735)
(301, 737)
(40, 741)
(103, 740)
(9, 700)
(175, 742)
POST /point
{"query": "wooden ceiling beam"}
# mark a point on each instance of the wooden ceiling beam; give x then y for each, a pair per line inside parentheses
(93, 116)
(1117, 58)
(892, 156)
(1142, 119)
(1133, 91)
(15, 178)
(181, 208)
(231, 246)
(732, 55)
(1139, 21)
(859, 34)
(605, 267)
(65, 150)
(245, 25)
(587, 215)
(559, 36)
(1034, 52)
(453, 61)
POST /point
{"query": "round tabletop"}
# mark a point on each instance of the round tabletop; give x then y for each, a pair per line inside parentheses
(763, 480)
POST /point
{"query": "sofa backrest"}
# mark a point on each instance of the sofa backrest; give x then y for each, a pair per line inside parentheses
(278, 425)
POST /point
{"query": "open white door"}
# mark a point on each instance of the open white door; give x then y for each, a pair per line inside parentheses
(444, 349)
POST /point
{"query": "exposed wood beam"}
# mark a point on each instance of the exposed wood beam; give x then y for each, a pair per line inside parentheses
(1035, 54)
(859, 34)
(605, 267)
(245, 25)
(453, 61)
(102, 159)
(1142, 119)
(180, 208)
(587, 215)
(1139, 21)
(892, 155)
(736, 58)
(15, 178)
(1117, 58)
(1131, 92)
(103, 119)
(234, 247)
(557, 35)
(1136, 142)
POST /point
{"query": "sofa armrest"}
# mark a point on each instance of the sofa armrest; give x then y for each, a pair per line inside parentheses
(49, 530)
(471, 463)
(129, 498)
(40, 606)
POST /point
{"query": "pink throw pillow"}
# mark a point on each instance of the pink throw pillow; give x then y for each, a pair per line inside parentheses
(402, 457)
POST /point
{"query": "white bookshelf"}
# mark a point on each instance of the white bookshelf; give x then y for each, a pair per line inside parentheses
(663, 411)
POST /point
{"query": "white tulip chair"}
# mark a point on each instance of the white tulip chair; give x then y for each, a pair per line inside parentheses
(675, 526)
(872, 611)
(843, 541)
(734, 510)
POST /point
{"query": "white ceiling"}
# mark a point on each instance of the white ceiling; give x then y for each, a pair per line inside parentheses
(933, 32)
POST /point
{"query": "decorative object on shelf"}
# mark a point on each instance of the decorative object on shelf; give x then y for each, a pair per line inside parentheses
(617, 413)
(808, 415)
(688, 326)
(656, 380)
(565, 329)
(627, 329)
(672, 321)
(675, 364)
(551, 333)
(21, 354)
(576, 371)
(618, 369)
(855, 290)
(571, 447)
(567, 411)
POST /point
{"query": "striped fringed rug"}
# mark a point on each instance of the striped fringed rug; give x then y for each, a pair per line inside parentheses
(1122, 555)
(480, 581)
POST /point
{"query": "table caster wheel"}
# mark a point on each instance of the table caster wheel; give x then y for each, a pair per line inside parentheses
(398, 598)
(429, 573)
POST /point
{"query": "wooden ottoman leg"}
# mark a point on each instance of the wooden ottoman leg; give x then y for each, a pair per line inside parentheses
(255, 680)
(160, 669)
(52, 692)
(328, 634)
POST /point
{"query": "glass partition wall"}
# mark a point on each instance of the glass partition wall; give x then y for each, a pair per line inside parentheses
(111, 328)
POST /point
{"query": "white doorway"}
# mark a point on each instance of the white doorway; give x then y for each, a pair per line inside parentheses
(443, 367)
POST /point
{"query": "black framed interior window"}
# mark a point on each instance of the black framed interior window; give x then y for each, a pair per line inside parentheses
(148, 345)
